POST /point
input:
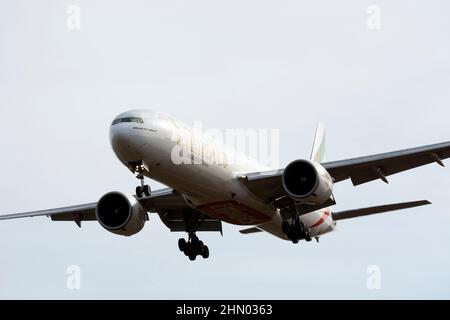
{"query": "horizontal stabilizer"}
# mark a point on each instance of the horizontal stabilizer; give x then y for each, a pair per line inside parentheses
(250, 230)
(348, 214)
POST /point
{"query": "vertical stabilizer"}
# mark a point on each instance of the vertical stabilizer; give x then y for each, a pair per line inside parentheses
(319, 147)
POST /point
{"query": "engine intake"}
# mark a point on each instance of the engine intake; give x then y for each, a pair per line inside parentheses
(307, 182)
(120, 214)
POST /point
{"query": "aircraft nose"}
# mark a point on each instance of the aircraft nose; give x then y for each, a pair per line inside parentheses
(122, 142)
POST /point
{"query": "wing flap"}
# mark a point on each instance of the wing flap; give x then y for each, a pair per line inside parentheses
(181, 220)
(348, 214)
(76, 216)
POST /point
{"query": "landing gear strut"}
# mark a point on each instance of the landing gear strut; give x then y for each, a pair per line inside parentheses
(193, 247)
(296, 230)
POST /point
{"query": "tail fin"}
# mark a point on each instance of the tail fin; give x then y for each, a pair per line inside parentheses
(319, 147)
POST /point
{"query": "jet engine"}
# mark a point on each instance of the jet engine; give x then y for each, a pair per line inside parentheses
(120, 214)
(307, 182)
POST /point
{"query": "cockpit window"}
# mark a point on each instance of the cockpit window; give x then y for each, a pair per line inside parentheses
(129, 119)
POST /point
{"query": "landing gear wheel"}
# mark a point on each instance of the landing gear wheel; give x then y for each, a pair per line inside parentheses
(146, 190)
(205, 252)
(188, 250)
(192, 256)
(143, 189)
(139, 191)
(182, 245)
(193, 247)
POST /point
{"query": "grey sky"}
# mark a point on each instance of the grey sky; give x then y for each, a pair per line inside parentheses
(230, 64)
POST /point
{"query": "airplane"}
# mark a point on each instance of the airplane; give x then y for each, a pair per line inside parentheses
(292, 204)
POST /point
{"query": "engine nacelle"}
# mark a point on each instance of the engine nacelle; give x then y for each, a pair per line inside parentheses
(120, 214)
(307, 182)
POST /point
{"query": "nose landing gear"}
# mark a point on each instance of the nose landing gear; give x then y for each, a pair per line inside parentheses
(139, 168)
(193, 247)
(143, 189)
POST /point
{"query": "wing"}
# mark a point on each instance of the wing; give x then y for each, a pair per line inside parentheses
(365, 169)
(380, 209)
(268, 186)
(84, 212)
(168, 203)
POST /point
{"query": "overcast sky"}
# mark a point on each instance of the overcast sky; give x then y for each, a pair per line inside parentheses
(230, 64)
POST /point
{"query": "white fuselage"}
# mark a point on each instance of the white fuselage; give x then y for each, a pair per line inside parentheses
(203, 170)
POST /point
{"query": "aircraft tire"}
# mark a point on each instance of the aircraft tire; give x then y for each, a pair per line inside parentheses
(192, 256)
(205, 252)
(182, 245)
(146, 190)
(139, 191)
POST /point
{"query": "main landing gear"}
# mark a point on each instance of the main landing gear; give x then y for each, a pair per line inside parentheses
(193, 247)
(296, 230)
